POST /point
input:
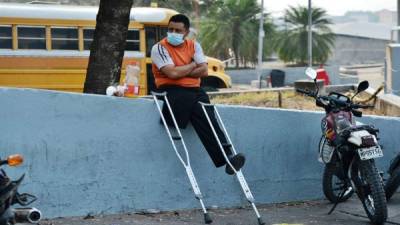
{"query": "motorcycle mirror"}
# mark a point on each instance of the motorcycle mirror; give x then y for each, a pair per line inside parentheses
(15, 160)
(311, 73)
(362, 86)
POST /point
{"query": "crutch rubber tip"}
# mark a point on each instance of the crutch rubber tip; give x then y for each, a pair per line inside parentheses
(207, 218)
(260, 221)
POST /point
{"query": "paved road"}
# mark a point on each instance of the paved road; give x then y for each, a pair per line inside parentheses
(307, 213)
(373, 74)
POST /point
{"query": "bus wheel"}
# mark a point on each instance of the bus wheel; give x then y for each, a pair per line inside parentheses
(211, 84)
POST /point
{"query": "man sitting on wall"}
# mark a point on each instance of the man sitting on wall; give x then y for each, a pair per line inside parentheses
(178, 65)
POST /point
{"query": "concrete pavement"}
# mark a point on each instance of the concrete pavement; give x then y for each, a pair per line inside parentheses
(300, 213)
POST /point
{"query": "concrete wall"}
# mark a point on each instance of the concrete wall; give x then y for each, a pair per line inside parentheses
(97, 154)
(350, 50)
(389, 104)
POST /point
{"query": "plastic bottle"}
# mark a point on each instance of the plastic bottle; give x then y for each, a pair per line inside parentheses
(132, 80)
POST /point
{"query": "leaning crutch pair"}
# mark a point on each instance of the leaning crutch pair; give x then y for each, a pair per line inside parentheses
(186, 164)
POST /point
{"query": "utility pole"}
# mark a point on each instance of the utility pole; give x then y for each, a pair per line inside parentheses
(261, 35)
(310, 34)
(398, 20)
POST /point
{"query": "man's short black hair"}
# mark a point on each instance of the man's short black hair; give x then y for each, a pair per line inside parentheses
(180, 18)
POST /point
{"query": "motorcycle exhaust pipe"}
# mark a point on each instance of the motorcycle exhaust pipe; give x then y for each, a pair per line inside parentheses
(27, 215)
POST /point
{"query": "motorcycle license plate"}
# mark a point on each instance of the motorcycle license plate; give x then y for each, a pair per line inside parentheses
(370, 153)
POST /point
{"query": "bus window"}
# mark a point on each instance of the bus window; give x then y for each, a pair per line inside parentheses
(31, 37)
(88, 34)
(154, 35)
(162, 32)
(151, 39)
(5, 37)
(64, 38)
(133, 41)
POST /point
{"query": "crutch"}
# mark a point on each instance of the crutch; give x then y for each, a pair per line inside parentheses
(186, 164)
(239, 174)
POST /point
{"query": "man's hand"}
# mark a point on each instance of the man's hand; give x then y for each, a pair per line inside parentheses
(176, 72)
(201, 70)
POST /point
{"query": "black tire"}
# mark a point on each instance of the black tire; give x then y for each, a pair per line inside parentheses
(371, 191)
(7, 217)
(392, 183)
(209, 88)
(211, 84)
(334, 182)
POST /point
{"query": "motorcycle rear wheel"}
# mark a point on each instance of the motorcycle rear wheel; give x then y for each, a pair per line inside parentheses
(371, 191)
(392, 184)
(334, 183)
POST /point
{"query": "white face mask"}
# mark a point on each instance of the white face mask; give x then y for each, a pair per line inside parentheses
(175, 39)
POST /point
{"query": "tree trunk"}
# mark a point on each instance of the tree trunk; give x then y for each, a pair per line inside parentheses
(108, 46)
(235, 42)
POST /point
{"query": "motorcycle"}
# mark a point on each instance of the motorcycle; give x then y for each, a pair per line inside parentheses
(348, 151)
(10, 196)
(393, 182)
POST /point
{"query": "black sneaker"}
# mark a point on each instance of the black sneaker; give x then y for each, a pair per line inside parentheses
(237, 162)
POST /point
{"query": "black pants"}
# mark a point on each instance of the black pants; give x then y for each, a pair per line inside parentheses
(186, 108)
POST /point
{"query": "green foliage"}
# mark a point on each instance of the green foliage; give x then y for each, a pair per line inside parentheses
(291, 45)
(187, 7)
(231, 25)
(182, 6)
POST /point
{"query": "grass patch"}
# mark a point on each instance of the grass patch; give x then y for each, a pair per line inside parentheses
(289, 100)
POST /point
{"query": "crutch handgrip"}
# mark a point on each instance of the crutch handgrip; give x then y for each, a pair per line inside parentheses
(260, 221)
(159, 93)
(207, 218)
(206, 104)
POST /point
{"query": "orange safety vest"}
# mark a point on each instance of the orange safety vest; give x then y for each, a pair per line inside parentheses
(180, 55)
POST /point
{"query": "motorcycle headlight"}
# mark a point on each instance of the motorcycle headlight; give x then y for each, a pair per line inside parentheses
(341, 123)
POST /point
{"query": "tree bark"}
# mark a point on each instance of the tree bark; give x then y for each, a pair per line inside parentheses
(235, 42)
(108, 46)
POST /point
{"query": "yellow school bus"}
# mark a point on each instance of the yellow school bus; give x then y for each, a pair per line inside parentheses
(47, 46)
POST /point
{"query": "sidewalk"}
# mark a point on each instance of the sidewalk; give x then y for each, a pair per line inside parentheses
(304, 213)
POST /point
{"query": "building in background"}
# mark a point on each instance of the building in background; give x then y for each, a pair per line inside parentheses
(387, 17)
(359, 43)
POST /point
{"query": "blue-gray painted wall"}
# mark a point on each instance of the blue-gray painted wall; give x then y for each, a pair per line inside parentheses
(97, 154)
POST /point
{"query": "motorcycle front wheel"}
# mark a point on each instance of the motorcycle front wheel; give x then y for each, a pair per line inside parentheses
(334, 183)
(392, 183)
(7, 217)
(370, 190)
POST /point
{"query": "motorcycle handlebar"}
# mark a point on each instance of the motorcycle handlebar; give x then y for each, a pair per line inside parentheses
(358, 106)
(306, 92)
(321, 100)
(3, 162)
